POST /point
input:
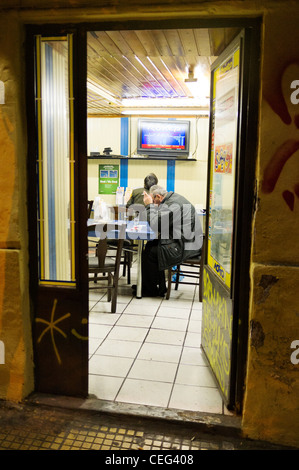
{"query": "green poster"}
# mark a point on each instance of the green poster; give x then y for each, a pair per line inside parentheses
(108, 179)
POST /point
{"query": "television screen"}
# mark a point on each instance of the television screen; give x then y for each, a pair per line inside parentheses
(163, 138)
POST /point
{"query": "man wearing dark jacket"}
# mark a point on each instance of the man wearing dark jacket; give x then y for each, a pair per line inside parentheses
(137, 194)
(180, 237)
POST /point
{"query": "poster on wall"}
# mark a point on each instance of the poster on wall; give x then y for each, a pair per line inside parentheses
(223, 158)
(108, 178)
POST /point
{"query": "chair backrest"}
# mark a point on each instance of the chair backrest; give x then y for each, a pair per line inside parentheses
(121, 233)
(89, 208)
(119, 213)
(101, 252)
(103, 232)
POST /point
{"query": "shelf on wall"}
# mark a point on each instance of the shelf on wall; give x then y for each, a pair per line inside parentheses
(119, 157)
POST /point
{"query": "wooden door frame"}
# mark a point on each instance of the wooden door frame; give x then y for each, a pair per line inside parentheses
(252, 27)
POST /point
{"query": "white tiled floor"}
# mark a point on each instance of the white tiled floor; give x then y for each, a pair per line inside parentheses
(149, 351)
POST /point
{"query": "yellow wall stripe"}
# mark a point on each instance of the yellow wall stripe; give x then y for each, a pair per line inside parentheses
(72, 156)
(40, 155)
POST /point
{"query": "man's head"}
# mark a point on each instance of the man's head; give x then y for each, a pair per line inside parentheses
(158, 194)
(150, 180)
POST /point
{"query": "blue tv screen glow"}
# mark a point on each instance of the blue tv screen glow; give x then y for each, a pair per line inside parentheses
(163, 138)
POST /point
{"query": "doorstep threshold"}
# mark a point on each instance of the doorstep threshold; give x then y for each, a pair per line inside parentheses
(226, 425)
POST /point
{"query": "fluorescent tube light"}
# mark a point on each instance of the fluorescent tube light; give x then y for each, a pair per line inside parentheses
(167, 112)
(165, 102)
(95, 88)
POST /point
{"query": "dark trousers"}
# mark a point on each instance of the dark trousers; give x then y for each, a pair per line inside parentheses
(153, 280)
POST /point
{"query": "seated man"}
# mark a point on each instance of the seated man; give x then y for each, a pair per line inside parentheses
(137, 194)
(180, 237)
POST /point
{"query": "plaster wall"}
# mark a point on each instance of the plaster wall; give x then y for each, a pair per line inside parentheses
(271, 388)
(16, 366)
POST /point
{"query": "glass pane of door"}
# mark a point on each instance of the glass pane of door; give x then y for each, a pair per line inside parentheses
(55, 165)
(223, 165)
(217, 317)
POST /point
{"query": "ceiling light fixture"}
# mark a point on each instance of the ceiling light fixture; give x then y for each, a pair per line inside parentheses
(191, 78)
(198, 82)
(192, 83)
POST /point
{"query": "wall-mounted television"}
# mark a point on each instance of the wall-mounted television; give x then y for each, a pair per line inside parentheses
(163, 138)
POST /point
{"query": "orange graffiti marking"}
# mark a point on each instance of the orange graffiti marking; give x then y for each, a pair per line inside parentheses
(51, 326)
(285, 151)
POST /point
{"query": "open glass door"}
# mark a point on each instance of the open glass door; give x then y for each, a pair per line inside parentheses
(225, 265)
(58, 271)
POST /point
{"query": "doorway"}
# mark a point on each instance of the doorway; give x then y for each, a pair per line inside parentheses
(148, 318)
(158, 341)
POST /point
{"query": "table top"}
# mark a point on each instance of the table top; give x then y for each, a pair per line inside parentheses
(134, 230)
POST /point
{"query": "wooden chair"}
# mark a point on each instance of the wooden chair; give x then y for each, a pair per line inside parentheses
(181, 275)
(89, 208)
(119, 213)
(106, 266)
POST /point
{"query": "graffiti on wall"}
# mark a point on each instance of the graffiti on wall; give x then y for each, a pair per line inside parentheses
(289, 147)
(217, 330)
(51, 327)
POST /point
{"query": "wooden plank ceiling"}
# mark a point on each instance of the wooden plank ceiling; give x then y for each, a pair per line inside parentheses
(147, 64)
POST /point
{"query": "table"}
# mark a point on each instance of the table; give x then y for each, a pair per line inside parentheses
(139, 231)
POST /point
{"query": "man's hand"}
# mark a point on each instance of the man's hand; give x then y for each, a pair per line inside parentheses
(147, 198)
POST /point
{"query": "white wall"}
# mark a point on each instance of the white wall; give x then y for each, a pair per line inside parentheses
(190, 177)
(103, 132)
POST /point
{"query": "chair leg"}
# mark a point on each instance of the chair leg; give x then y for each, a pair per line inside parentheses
(113, 301)
(114, 294)
(109, 288)
(129, 270)
(177, 279)
(169, 276)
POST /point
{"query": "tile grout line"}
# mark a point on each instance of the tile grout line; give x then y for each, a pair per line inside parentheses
(149, 329)
(179, 360)
(112, 326)
(142, 343)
